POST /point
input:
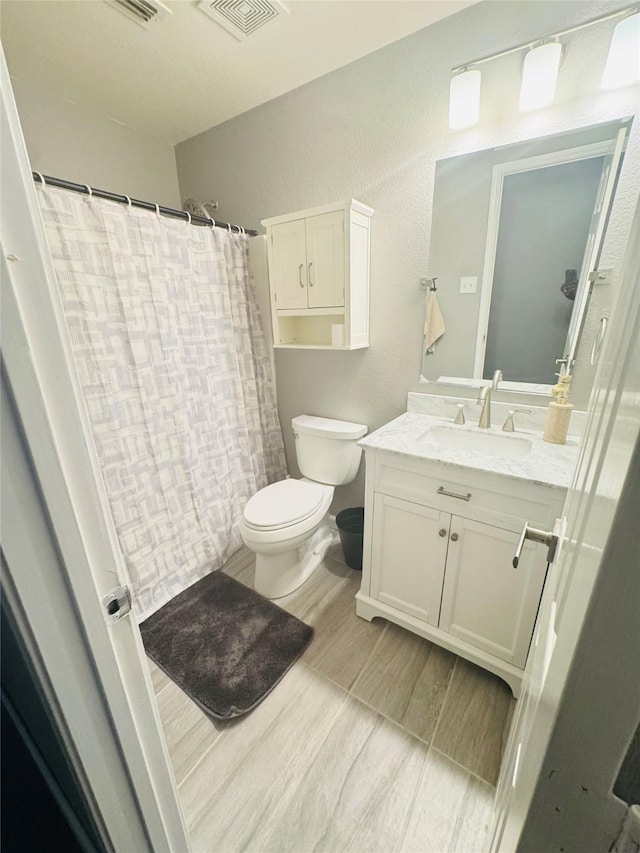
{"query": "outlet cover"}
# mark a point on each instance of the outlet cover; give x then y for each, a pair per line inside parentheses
(468, 283)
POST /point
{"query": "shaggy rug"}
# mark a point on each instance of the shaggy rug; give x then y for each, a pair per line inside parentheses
(223, 644)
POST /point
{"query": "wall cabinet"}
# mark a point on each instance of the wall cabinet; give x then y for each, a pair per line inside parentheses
(319, 276)
(441, 564)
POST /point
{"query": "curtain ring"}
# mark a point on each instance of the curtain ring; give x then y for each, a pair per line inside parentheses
(129, 202)
(89, 190)
(188, 217)
(213, 223)
(229, 229)
(158, 210)
(41, 176)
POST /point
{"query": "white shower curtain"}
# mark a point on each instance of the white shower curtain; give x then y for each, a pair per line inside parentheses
(170, 353)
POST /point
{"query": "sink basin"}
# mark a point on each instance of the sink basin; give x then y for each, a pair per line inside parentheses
(488, 443)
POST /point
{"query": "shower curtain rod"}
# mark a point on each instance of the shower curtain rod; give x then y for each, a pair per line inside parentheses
(47, 180)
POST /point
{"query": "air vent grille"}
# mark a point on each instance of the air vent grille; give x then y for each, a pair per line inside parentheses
(143, 12)
(243, 17)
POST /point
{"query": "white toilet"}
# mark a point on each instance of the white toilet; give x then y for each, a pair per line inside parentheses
(287, 523)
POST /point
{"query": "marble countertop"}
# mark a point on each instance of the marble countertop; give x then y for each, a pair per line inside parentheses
(546, 464)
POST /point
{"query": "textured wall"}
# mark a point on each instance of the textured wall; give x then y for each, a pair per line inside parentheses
(373, 131)
(68, 141)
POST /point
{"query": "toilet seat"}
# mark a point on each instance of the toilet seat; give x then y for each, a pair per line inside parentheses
(284, 504)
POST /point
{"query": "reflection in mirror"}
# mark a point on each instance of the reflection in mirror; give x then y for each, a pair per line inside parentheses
(516, 236)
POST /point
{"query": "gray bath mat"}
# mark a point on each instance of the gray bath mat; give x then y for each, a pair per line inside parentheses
(223, 644)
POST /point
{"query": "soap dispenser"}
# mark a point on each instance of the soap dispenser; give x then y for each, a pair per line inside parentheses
(559, 411)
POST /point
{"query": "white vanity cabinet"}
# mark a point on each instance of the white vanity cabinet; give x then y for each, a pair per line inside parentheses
(438, 551)
(319, 276)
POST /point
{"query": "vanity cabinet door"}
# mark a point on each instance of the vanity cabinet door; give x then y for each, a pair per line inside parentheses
(289, 255)
(485, 601)
(409, 549)
(325, 260)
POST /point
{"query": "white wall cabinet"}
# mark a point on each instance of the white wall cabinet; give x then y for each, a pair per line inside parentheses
(441, 564)
(319, 276)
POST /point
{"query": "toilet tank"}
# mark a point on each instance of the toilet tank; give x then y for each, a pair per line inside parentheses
(327, 450)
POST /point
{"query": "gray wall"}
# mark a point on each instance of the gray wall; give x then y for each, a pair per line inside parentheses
(68, 141)
(373, 131)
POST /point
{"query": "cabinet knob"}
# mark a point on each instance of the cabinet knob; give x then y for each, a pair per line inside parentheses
(454, 537)
(442, 532)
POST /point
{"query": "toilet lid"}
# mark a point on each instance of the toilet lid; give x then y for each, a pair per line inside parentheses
(283, 503)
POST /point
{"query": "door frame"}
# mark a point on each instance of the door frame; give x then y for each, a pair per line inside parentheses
(61, 553)
(499, 173)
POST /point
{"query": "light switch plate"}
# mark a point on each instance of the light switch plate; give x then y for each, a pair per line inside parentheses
(468, 283)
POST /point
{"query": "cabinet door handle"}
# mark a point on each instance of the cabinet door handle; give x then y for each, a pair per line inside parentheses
(442, 532)
(454, 537)
(300, 268)
(443, 491)
(309, 274)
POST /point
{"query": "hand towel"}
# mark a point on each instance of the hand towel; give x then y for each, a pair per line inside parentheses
(433, 323)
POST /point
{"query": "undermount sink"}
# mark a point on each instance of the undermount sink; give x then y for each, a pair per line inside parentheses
(489, 443)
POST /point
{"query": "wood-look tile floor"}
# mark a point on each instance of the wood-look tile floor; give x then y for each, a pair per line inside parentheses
(375, 740)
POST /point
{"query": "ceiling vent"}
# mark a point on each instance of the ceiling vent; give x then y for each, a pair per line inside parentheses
(241, 18)
(143, 12)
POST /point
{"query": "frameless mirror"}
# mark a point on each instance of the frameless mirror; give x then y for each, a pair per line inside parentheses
(516, 237)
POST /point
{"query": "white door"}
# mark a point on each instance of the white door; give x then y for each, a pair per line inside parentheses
(288, 250)
(325, 259)
(408, 556)
(589, 511)
(59, 548)
(591, 257)
(486, 602)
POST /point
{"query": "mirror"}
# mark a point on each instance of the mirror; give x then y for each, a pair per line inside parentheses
(516, 237)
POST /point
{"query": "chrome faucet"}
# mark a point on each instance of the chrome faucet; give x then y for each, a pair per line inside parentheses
(484, 400)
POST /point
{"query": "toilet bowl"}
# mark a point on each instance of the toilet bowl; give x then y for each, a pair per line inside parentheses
(286, 524)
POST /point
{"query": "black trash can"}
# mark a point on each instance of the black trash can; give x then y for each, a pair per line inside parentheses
(350, 524)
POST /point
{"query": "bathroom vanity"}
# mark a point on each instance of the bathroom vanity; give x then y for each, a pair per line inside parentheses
(444, 509)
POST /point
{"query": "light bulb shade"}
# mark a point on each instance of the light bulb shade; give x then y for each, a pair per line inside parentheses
(464, 99)
(539, 76)
(623, 61)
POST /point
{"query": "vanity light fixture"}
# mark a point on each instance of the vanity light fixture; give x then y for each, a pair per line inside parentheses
(623, 61)
(464, 99)
(541, 64)
(540, 76)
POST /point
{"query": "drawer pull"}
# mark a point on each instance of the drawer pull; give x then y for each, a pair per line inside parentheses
(443, 491)
(454, 537)
(442, 532)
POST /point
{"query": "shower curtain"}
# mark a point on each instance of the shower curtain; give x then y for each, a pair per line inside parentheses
(170, 353)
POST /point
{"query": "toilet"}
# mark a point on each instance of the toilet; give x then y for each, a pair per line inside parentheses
(286, 524)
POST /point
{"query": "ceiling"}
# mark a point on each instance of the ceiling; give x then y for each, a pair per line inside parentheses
(186, 73)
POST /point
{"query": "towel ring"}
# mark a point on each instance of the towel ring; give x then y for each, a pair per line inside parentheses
(41, 176)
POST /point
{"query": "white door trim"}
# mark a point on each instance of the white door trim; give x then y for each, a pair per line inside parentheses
(124, 741)
(499, 173)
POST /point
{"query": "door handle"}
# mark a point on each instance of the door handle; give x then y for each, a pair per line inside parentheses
(309, 273)
(598, 340)
(532, 534)
(300, 268)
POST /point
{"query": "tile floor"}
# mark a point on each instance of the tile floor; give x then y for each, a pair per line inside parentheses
(375, 740)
